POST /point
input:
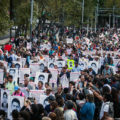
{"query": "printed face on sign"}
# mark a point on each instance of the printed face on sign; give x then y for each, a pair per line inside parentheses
(17, 65)
(70, 64)
(59, 65)
(51, 65)
(42, 67)
(93, 65)
(81, 65)
(41, 78)
(5, 101)
(15, 104)
(12, 72)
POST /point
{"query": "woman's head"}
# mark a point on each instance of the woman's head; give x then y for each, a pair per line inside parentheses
(90, 98)
(53, 105)
(59, 114)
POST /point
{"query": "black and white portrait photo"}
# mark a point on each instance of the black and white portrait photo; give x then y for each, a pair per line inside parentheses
(4, 99)
(41, 66)
(94, 66)
(41, 77)
(15, 103)
(18, 64)
(60, 64)
(14, 73)
(51, 65)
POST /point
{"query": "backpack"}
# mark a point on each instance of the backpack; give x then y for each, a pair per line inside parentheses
(111, 109)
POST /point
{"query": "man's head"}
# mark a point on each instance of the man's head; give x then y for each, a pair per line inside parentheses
(76, 64)
(10, 78)
(107, 97)
(15, 105)
(40, 84)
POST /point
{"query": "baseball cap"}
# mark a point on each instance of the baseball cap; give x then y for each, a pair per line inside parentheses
(51, 98)
(16, 88)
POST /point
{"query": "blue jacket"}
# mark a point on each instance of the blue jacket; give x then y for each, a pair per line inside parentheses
(87, 111)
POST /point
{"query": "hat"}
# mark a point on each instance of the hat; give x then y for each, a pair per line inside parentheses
(16, 88)
(51, 98)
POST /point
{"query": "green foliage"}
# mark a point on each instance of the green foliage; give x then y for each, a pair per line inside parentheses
(5, 23)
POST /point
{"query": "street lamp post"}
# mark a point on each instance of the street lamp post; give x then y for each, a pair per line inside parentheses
(83, 12)
(31, 19)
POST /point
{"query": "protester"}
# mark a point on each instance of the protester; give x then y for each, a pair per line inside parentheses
(82, 83)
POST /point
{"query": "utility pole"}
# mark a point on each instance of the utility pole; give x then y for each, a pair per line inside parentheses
(109, 21)
(83, 12)
(31, 19)
(96, 15)
(113, 16)
(95, 19)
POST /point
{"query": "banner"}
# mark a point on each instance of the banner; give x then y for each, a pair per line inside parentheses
(1, 76)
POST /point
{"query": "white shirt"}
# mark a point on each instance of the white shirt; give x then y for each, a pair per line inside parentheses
(104, 108)
(70, 115)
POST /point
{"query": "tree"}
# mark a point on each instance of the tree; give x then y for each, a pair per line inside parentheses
(5, 22)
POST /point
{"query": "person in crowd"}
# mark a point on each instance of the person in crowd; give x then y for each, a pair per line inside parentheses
(88, 109)
(69, 113)
(76, 68)
(10, 85)
(18, 92)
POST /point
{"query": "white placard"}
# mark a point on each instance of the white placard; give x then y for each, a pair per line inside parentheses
(5, 63)
(51, 65)
(23, 61)
(1, 76)
(17, 64)
(36, 94)
(15, 103)
(4, 99)
(54, 77)
(22, 72)
(14, 73)
(83, 65)
(60, 64)
(74, 76)
(94, 65)
(34, 67)
(29, 45)
(69, 40)
(41, 77)
(64, 81)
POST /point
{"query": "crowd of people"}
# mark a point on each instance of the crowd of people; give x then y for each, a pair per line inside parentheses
(92, 93)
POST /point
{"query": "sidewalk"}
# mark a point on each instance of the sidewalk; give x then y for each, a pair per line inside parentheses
(4, 41)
